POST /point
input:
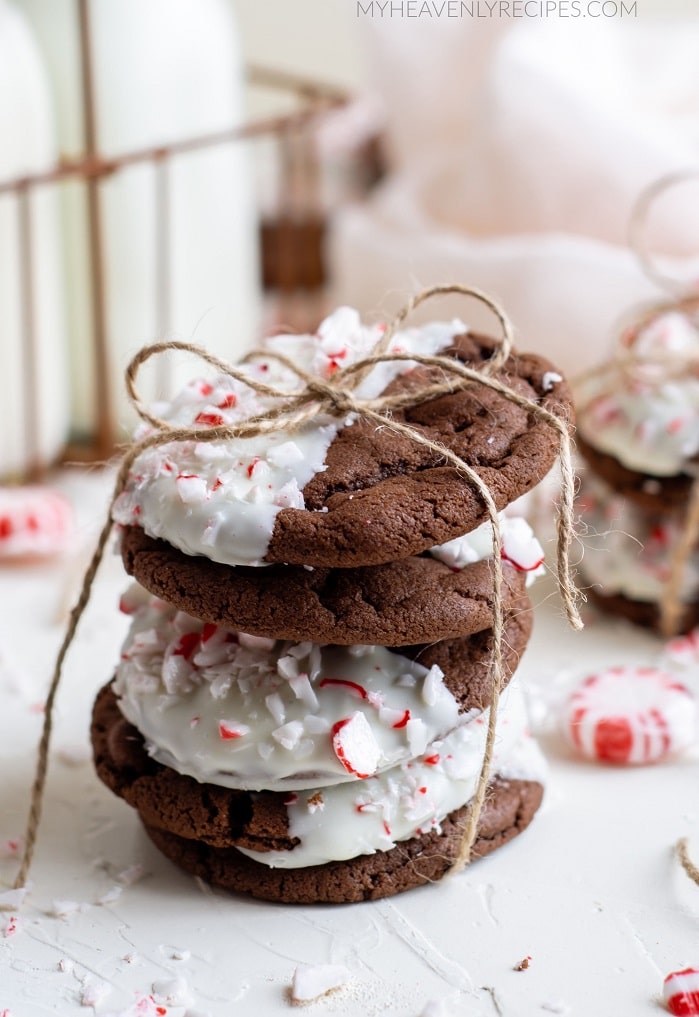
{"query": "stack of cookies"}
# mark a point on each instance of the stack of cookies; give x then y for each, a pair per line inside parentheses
(638, 429)
(300, 709)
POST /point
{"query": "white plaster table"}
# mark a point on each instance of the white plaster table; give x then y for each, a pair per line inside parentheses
(591, 891)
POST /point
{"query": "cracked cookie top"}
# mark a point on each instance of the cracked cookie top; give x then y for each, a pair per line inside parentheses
(344, 493)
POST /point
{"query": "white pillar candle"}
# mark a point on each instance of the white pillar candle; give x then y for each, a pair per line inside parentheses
(164, 70)
(33, 411)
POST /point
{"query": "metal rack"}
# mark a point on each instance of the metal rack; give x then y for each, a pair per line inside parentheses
(290, 237)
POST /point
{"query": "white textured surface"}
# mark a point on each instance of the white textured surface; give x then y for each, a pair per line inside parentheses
(591, 891)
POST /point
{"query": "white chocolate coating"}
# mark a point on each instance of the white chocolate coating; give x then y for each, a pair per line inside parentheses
(628, 551)
(348, 820)
(246, 712)
(648, 424)
(221, 499)
(519, 547)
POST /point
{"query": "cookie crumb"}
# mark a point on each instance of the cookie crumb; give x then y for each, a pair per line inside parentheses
(523, 964)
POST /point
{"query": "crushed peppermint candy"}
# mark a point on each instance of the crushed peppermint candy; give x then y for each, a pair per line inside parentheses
(681, 992)
(245, 711)
(110, 896)
(63, 908)
(172, 991)
(312, 981)
(355, 746)
(550, 380)
(11, 848)
(132, 875)
(221, 497)
(644, 417)
(94, 991)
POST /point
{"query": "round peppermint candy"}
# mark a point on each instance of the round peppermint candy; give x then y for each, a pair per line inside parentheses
(630, 715)
(681, 992)
(34, 522)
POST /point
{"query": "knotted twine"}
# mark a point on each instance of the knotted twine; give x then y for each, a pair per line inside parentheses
(338, 397)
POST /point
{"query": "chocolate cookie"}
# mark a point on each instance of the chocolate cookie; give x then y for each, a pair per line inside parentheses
(655, 494)
(508, 810)
(384, 497)
(399, 603)
(644, 613)
(224, 816)
(378, 496)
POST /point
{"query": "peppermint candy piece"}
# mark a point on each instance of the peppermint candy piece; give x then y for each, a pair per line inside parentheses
(630, 715)
(312, 981)
(355, 746)
(683, 650)
(681, 992)
(35, 522)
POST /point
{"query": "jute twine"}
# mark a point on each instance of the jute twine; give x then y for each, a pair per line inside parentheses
(638, 224)
(682, 849)
(338, 397)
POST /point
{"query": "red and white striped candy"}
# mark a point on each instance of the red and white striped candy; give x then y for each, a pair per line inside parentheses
(355, 746)
(681, 992)
(34, 522)
(630, 715)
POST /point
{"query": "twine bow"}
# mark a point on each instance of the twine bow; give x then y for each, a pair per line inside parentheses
(337, 398)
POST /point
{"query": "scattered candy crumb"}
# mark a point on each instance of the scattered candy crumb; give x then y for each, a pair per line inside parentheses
(311, 981)
(11, 900)
(172, 991)
(176, 953)
(134, 874)
(681, 992)
(523, 964)
(11, 848)
(94, 991)
(110, 896)
(62, 908)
